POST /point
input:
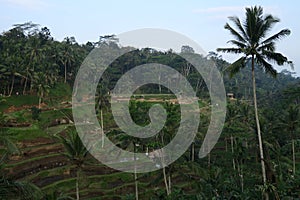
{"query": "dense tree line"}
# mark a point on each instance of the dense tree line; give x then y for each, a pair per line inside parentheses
(31, 59)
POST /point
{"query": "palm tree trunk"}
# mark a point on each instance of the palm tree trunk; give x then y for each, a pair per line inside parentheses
(169, 177)
(75, 88)
(240, 173)
(102, 131)
(136, 186)
(258, 130)
(31, 81)
(159, 79)
(294, 157)
(12, 85)
(210, 78)
(193, 151)
(232, 152)
(242, 179)
(65, 65)
(164, 168)
(165, 180)
(135, 174)
(25, 85)
(199, 85)
(77, 184)
(31, 86)
(40, 99)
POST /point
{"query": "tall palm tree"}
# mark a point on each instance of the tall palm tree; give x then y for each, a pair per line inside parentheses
(40, 83)
(290, 123)
(102, 100)
(232, 127)
(33, 51)
(12, 55)
(130, 143)
(251, 40)
(76, 152)
(66, 56)
(12, 70)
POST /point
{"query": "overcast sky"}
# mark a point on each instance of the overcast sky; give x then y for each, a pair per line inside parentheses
(202, 21)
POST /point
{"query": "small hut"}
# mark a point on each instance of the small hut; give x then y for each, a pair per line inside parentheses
(230, 96)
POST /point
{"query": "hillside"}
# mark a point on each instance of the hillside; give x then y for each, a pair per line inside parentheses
(37, 77)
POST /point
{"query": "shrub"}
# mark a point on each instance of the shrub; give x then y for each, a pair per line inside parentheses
(35, 113)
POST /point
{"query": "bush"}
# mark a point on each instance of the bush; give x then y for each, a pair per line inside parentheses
(35, 113)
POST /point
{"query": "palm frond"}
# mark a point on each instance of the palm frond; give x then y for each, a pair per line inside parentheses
(234, 33)
(253, 22)
(237, 43)
(267, 46)
(67, 145)
(265, 65)
(75, 149)
(230, 50)
(267, 23)
(238, 24)
(277, 36)
(236, 66)
(10, 146)
(10, 189)
(278, 58)
(29, 190)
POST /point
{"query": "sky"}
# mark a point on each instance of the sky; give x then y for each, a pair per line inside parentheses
(201, 21)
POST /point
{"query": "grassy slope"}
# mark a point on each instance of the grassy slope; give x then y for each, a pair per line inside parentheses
(113, 185)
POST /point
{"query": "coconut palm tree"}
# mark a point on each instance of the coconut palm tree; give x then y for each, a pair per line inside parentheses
(290, 124)
(129, 143)
(33, 54)
(12, 56)
(252, 41)
(66, 56)
(40, 83)
(102, 99)
(76, 152)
